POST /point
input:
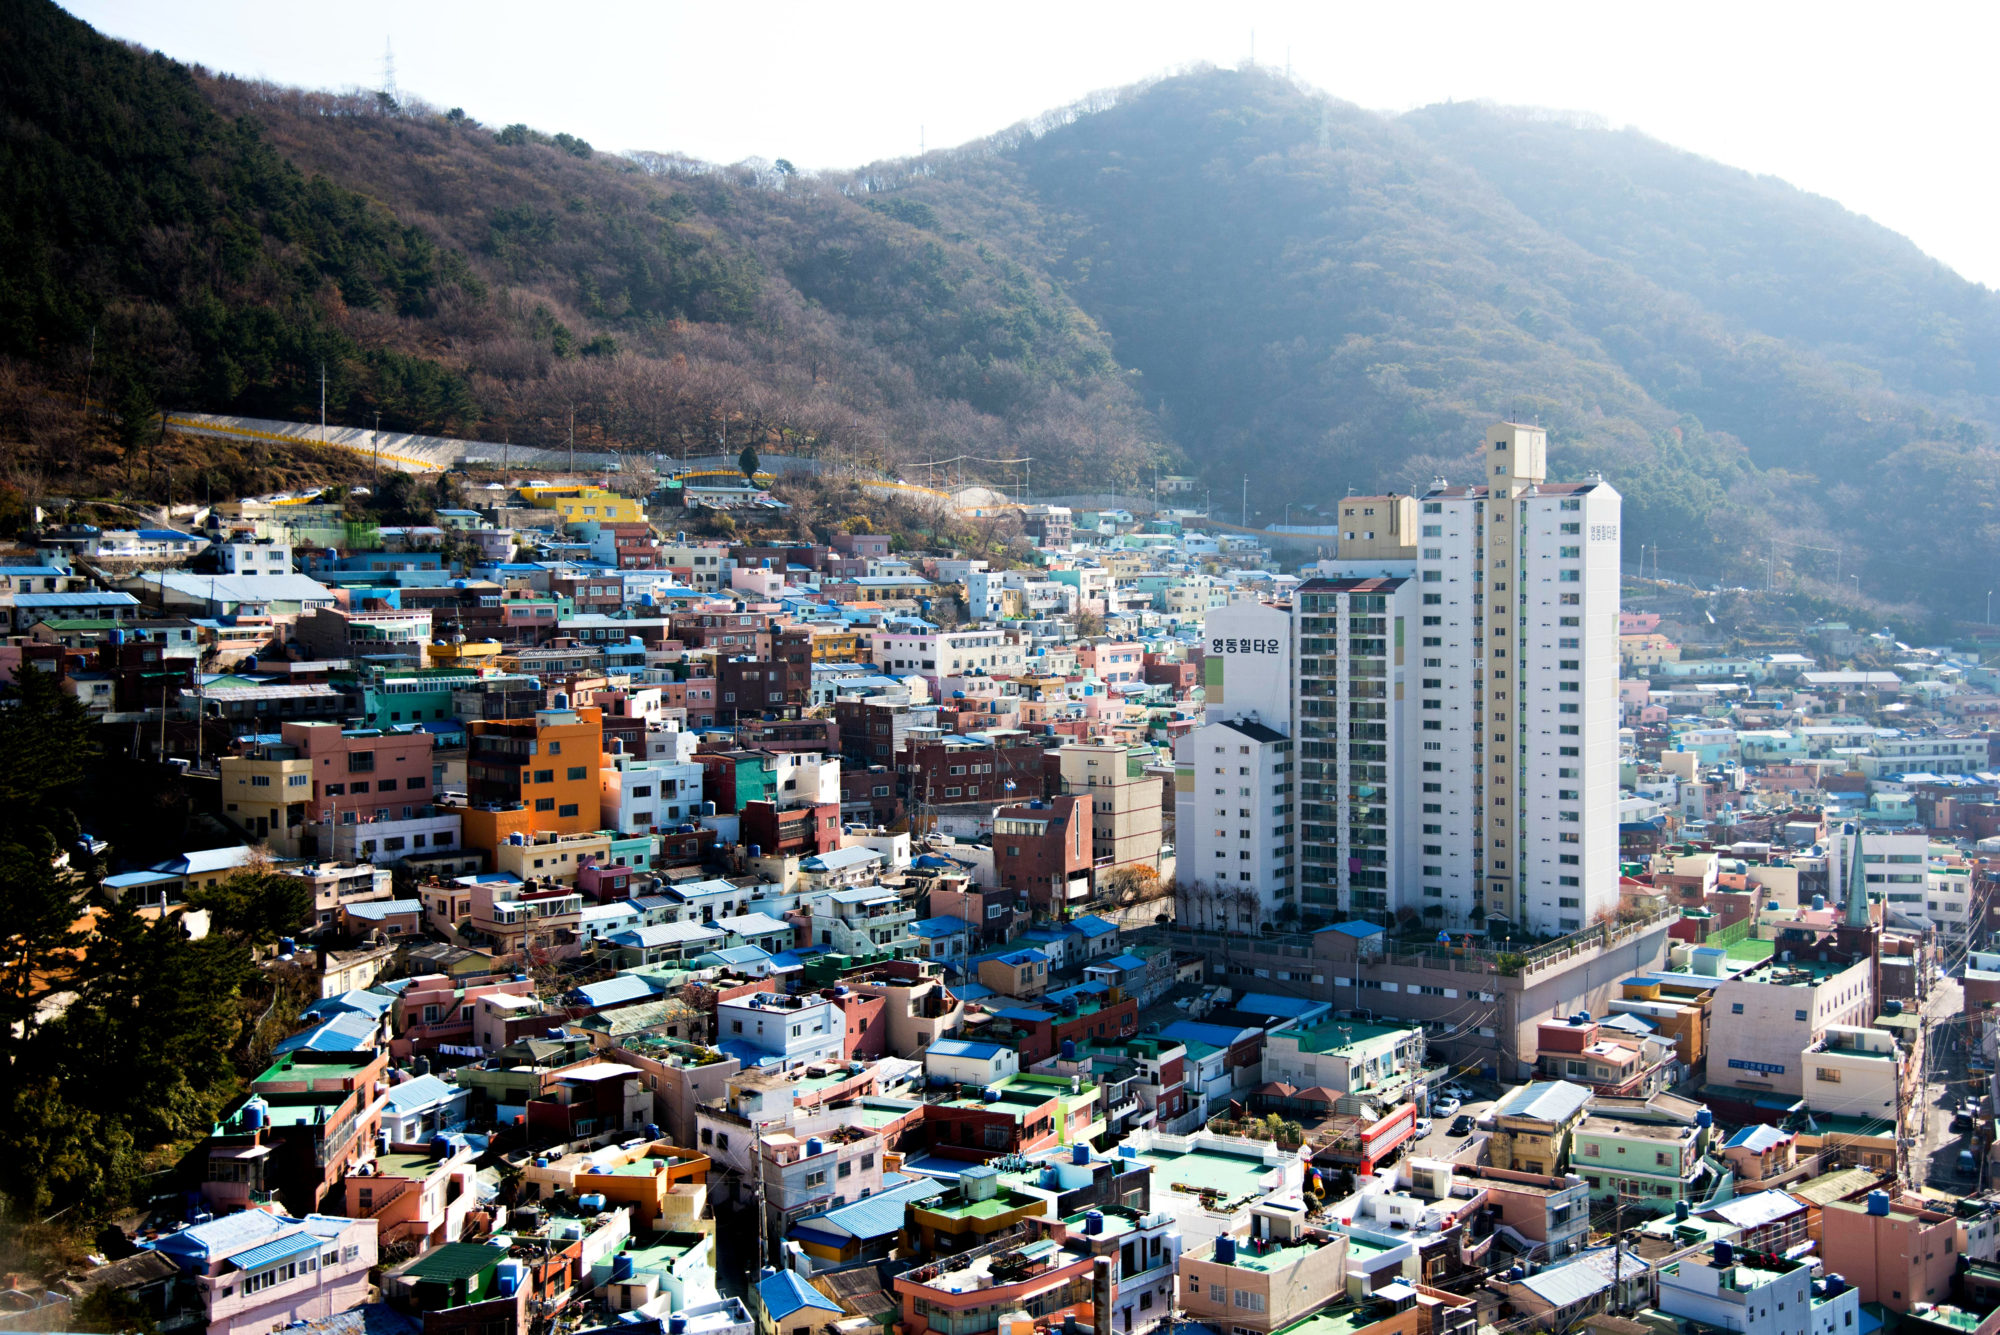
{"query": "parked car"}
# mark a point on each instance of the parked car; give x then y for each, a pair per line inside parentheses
(1424, 1127)
(1444, 1107)
(1961, 1122)
(1968, 1166)
(1457, 1091)
(1461, 1125)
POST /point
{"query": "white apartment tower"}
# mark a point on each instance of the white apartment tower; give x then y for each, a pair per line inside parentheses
(1233, 776)
(1514, 733)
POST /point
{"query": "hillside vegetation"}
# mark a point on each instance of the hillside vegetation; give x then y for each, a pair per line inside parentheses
(1219, 272)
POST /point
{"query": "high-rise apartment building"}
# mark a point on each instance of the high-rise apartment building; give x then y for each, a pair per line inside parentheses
(1233, 776)
(1356, 825)
(1516, 717)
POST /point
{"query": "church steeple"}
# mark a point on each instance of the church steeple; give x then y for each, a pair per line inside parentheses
(1856, 914)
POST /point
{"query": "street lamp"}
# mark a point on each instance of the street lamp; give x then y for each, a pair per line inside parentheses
(1989, 607)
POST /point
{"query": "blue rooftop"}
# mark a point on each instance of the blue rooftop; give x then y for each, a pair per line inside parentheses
(784, 1293)
(1355, 929)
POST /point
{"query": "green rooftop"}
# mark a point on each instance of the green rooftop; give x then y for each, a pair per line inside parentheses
(1336, 1321)
(290, 1067)
(1000, 1203)
(1233, 1176)
(1274, 1258)
(1349, 1037)
(455, 1261)
(405, 1165)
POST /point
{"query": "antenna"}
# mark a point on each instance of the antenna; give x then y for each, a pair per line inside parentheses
(389, 69)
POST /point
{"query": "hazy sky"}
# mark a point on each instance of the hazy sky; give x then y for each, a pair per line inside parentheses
(1884, 108)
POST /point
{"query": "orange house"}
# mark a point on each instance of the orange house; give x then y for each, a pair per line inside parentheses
(532, 776)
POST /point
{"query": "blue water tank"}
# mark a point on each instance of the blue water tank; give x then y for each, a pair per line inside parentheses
(652, 1130)
(1093, 1221)
(1069, 1050)
(815, 1146)
(592, 1203)
(677, 1324)
(1681, 1210)
(1225, 1250)
(1724, 1254)
(622, 1268)
(255, 1113)
(756, 850)
(1079, 1154)
(507, 1277)
(1878, 1202)
(1819, 902)
(989, 1095)
(1704, 1118)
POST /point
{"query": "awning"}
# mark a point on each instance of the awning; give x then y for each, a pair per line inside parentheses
(278, 1249)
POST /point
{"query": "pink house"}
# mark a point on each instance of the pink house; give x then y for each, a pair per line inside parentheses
(259, 1271)
(414, 1196)
(365, 774)
(1116, 662)
(435, 1012)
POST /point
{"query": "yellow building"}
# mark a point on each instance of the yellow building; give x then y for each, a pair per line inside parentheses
(474, 654)
(265, 797)
(1647, 650)
(576, 504)
(836, 644)
(557, 856)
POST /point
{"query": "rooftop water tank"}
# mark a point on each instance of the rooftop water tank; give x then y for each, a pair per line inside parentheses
(590, 1204)
(1225, 1250)
(1681, 1210)
(1878, 1202)
(622, 1268)
(1069, 1049)
(989, 1095)
(255, 1113)
(1724, 1254)
(1704, 1118)
(677, 1324)
(1819, 902)
(815, 1146)
(1079, 1154)
(1093, 1221)
(507, 1277)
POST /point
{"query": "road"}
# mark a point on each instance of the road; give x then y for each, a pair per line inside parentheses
(1946, 1085)
(1440, 1144)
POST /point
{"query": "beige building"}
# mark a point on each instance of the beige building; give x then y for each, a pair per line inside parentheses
(1264, 1282)
(1125, 801)
(1532, 1128)
(266, 797)
(1378, 528)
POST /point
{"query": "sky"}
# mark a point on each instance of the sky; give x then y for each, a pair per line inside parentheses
(1880, 107)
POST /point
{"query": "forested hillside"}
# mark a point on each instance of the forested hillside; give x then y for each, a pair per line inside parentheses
(1220, 272)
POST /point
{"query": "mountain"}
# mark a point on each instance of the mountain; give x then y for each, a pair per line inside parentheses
(1220, 272)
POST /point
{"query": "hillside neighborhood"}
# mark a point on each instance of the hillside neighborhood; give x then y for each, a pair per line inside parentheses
(1111, 919)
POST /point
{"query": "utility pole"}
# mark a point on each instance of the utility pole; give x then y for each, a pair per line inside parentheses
(322, 403)
(378, 451)
(1245, 519)
(572, 438)
(89, 366)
